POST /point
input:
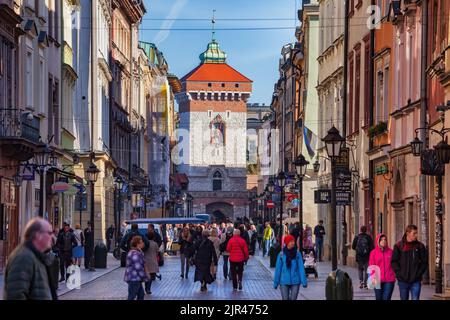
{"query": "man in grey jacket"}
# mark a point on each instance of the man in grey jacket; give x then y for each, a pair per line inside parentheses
(28, 275)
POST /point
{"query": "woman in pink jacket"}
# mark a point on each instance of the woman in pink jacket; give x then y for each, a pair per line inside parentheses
(381, 257)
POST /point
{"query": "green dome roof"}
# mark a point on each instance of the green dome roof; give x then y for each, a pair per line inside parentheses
(213, 54)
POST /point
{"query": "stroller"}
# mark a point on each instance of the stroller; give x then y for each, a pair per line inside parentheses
(310, 262)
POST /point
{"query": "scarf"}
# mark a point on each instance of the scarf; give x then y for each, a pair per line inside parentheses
(290, 255)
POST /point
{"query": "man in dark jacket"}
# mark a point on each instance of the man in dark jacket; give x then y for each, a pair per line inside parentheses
(363, 245)
(66, 242)
(109, 237)
(409, 262)
(244, 234)
(126, 240)
(157, 238)
(27, 271)
(319, 233)
(88, 245)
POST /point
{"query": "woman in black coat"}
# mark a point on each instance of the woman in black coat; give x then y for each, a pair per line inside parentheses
(204, 256)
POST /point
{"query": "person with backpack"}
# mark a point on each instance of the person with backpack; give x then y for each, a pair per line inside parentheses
(289, 270)
(225, 254)
(363, 245)
(381, 257)
(238, 249)
(409, 261)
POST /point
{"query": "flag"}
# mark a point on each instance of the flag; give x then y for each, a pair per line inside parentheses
(310, 141)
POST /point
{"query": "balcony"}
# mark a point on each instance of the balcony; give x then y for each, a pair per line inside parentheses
(19, 131)
(68, 54)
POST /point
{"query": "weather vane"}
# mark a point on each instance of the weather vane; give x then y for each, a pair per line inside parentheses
(213, 26)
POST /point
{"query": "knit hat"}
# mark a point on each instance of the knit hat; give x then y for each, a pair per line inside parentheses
(288, 239)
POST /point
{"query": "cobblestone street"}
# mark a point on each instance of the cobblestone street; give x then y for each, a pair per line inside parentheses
(258, 285)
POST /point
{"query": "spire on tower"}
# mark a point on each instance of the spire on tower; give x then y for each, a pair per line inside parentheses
(213, 26)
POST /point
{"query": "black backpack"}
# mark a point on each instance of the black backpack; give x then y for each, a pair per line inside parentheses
(223, 245)
(362, 246)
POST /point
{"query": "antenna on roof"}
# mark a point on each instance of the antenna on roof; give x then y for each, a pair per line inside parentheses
(213, 26)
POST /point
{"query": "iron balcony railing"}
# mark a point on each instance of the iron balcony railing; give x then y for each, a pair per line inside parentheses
(17, 123)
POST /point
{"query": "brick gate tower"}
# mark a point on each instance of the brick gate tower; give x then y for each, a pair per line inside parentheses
(212, 138)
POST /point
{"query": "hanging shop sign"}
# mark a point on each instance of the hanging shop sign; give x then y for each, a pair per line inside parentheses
(59, 187)
(322, 196)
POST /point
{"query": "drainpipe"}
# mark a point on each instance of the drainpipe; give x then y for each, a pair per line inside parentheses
(371, 120)
(423, 124)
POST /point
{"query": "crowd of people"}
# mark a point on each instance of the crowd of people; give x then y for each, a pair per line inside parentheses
(44, 256)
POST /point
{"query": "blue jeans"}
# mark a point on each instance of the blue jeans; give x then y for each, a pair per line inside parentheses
(266, 247)
(226, 272)
(135, 290)
(385, 293)
(289, 292)
(319, 248)
(406, 287)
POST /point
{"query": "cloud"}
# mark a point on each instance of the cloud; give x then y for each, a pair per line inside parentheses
(175, 11)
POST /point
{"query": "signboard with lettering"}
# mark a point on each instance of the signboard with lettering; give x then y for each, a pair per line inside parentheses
(322, 196)
(83, 202)
(344, 181)
(270, 204)
(343, 198)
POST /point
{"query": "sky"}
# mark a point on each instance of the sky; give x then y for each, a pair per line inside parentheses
(255, 53)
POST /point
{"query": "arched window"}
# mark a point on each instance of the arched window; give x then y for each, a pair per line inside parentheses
(217, 181)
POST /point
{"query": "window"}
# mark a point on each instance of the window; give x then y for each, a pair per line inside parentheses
(29, 78)
(350, 95)
(367, 83)
(209, 113)
(379, 96)
(228, 113)
(223, 85)
(210, 84)
(357, 89)
(237, 85)
(217, 181)
(41, 86)
(386, 93)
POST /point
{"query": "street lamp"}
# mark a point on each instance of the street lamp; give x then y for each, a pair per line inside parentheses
(119, 187)
(442, 152)
(282, 182)
(316, 165)
(301, 165)
(41, 158)
(333, 142)
(416, 146)
(17, 180)
(92, 175)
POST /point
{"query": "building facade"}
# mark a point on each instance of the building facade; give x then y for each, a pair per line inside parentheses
(213, 116)
(330, 90)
